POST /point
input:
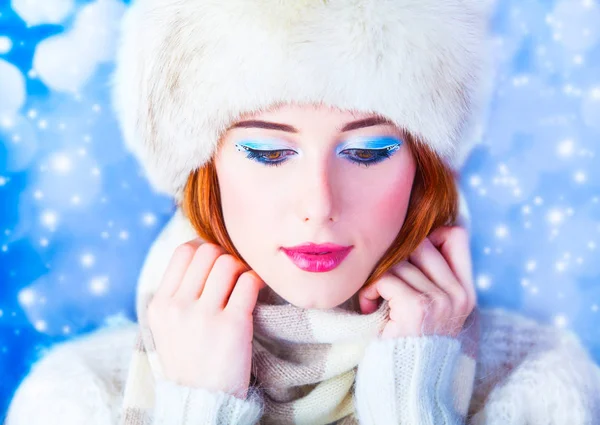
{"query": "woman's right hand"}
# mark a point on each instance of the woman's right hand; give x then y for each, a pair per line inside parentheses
(201, 319)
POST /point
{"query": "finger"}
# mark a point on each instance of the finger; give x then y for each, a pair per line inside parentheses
(431, 262)
(414, 277)
(220, 283)
(177, 267)
(195, 277)
(440, 304)
(408, 307)
(383, 288)
(244, 296)
(454, 245)
(369, 298)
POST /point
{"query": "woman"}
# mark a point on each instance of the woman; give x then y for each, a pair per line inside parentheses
(276, 124)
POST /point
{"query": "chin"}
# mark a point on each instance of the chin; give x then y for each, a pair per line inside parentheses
(308, 291)
(318, 304)
(309, 303)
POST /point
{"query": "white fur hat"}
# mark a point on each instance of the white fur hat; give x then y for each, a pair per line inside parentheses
(187, 69)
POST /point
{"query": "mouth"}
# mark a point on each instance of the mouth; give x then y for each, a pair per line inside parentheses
(317, 258)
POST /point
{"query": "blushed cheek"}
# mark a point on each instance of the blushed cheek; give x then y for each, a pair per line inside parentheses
(238, 206)
(391, 204)
(247, 211)
(234, 200)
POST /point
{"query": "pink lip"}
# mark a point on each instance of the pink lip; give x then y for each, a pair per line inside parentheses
(317, 257)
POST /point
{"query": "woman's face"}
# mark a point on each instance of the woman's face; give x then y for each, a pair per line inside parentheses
(319, 183)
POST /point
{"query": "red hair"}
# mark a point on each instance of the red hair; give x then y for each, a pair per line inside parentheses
(433, 203)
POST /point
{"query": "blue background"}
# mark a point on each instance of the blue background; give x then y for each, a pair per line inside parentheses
(77, 214)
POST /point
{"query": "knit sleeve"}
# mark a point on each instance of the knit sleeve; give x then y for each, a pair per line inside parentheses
(526, 373)
(75, 382)
(533, 373)
(409, 381)
(182, 405)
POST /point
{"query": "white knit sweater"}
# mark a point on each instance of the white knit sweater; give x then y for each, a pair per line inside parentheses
(527, 374)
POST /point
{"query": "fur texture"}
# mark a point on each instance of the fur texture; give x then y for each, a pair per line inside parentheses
(187, 69)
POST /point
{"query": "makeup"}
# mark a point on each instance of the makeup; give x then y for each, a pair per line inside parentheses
(366, 143)
(261, 146)
(317, 262)
(264, 153)
(360, 150)
(370, 143)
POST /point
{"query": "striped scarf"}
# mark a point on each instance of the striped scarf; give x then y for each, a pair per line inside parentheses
(305, 360)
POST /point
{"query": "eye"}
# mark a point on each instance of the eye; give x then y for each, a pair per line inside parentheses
(369, 157)
(365, 154)
(271, 157)
(277, 157)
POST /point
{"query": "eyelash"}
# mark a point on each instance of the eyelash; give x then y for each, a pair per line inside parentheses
(380, 155)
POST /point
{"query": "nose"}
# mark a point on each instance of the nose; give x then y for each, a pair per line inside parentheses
(317, 195)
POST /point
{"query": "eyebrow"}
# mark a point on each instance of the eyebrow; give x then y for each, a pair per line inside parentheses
(368, 122)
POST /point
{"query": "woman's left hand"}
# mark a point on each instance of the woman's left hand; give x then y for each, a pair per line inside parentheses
(430, 293)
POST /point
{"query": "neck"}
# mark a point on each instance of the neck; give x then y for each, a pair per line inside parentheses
(270, 297)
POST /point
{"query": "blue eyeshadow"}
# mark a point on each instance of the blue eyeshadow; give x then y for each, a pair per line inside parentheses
(369, 143)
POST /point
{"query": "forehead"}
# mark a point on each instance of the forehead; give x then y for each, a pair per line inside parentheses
(309, 118)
